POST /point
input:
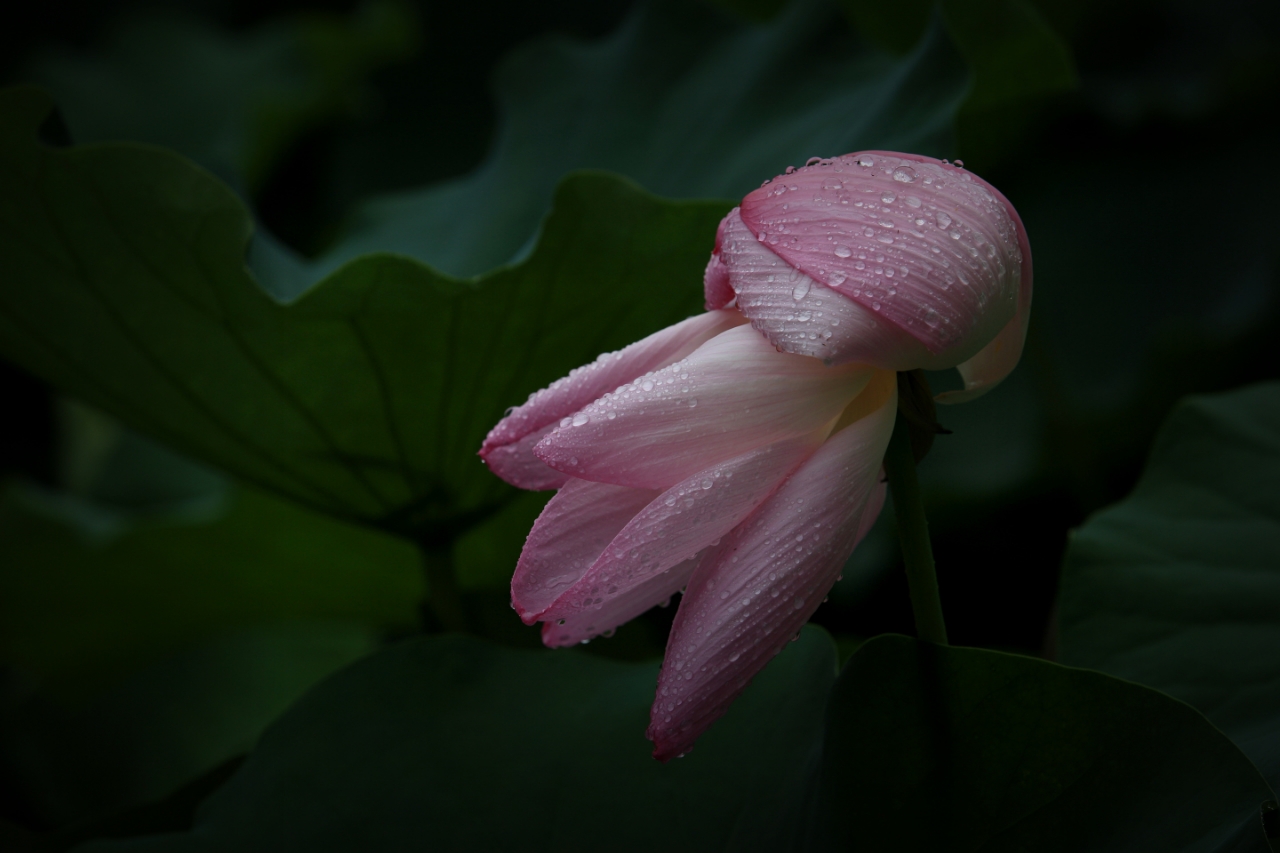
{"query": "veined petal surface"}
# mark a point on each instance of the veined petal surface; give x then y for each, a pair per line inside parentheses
(586, 624)
(751, 595)
(569, 536)
(684, 520)
(734, 394)
(508, 447)
(806, 317)
(935, 248)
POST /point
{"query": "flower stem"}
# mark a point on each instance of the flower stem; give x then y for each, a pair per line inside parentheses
(442, 592)
(913, 532)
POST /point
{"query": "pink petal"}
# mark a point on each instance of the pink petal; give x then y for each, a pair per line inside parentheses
(587, 624)
(734, 394)
(932, 245)
(997, 359)
(507, 448)
(683, 521)
(805, 317)
(570, 534)
(715, 281)
(516, 463)
(751, 595)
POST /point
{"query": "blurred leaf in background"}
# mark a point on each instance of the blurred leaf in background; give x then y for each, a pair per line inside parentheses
(681, 99)
(233, 103)
(455, 743)
(153, 621)
(945, 748)
(1178, 586)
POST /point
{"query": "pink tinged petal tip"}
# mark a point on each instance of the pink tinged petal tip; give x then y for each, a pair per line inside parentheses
(715, 281)
(734, 394)
(680, 523)
(997, 359)
(925, 246)
(587, 624)
(508, 449)
(751, 595)
(568, 537)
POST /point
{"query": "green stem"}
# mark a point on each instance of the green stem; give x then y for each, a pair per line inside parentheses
(913, 531)
(442, 592)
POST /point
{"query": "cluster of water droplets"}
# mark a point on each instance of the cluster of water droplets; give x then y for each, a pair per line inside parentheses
(786, 305)
(923, 242)
(749, 610)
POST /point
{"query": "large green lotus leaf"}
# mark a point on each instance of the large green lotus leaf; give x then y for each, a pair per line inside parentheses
(125, 284)
(145, 736)
(1178, 586)
(943, 748)
(78, 612)
(233, 102)
(448, 743)
(1013, 51)
(685, 100)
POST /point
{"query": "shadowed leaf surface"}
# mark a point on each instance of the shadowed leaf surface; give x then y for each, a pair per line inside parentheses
(944, 748)
(368, 397)
(472, 747)
(1178, 586)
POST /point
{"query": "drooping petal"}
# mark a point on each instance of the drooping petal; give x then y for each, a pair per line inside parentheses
(734, 394)
(684, 520)
(933, 246)
(805, 317)
(587, 624)
(997, 359)
(751, 594)
(507, 448)
(715, 281)
(517, 464)
(568, 537)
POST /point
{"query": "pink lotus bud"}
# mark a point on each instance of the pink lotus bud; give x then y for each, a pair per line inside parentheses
(893, 260)
(744, 468)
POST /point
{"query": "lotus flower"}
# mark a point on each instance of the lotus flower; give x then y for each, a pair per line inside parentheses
(742, 463)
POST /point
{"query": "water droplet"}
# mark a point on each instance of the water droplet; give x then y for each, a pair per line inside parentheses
(799, 603)
(866, 162)
(693, 401)
(734, 657)
(706, 484)
(905, 174)
(943, 220)
(843, 251)
(580, 419)
(813, 160)
(801, 290)
(913, 201)
(790, 169)
(960, 163)
(647, 385)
